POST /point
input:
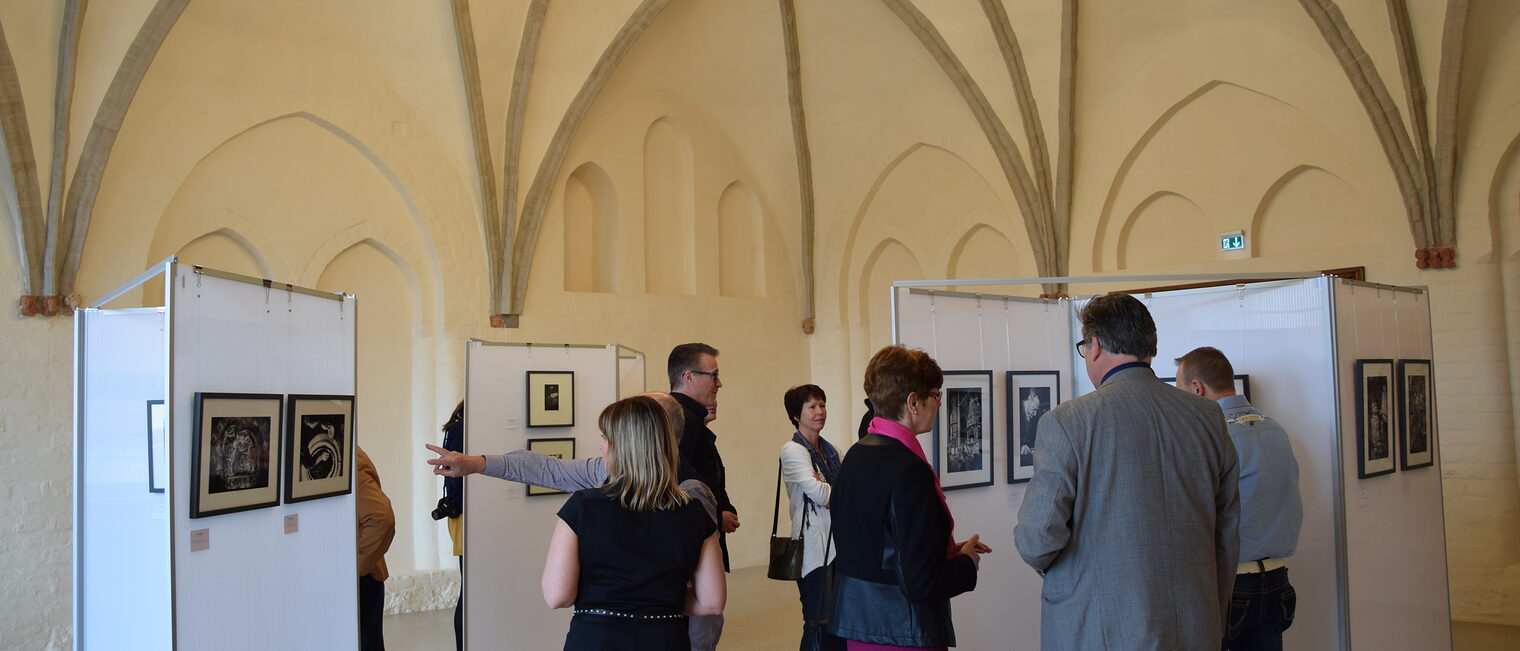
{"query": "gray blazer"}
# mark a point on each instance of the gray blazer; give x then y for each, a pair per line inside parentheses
(1133, 517)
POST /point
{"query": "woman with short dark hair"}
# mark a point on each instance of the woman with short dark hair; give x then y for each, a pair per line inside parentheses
(809, 464)
(898, 564)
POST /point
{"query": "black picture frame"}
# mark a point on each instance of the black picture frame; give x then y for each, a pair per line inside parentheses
(550, 398)
(1417, 414)
(158, 446)
(1375, 411)
(559, 448)
(235, 452)
(966, 403)
(1019, 387)
(319, 446)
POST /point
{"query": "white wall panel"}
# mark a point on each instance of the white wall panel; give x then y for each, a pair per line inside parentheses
(506, 532)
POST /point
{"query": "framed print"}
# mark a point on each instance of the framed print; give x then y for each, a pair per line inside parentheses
(234, 453)
(319, 447)
(1242, 385)
(1029, 394)
(158, 447)
(1374, 417)
(551, 398)
(963, 430)
(563, 449)
(1417, 414)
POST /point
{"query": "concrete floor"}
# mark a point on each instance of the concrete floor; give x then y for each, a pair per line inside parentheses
(766, 616)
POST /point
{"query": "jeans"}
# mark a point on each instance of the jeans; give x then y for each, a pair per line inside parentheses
(810, 590)
(371, 614)
(1261, 608)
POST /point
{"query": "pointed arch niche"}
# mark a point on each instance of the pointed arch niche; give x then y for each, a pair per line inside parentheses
(983, 252)
(889, 261)
(741, 243)
(1166, 229)
(591, 231)
(669, 210)
(1309, 209)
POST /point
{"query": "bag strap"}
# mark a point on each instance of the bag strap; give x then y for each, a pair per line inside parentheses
(776, 510)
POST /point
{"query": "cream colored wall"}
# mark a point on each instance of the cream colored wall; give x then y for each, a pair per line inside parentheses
(328, 144)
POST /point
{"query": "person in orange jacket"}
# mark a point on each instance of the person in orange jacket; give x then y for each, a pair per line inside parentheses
(376, 527)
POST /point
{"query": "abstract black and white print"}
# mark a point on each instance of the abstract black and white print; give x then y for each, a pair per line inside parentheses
(322, 440)
(239, 453)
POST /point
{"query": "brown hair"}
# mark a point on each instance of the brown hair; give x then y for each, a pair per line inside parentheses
(1121, 323)
(798, 396)
(1209, 366)
(896, 371)
(642, 453)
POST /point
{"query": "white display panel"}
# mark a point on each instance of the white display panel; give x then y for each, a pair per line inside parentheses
(630, 369)
(1279, 334)
(122, 528)
(257, 587)
(506, 533)
(1395, 533)
(964, 332)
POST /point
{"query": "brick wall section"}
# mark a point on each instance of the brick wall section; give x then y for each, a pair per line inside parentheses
(36, 458)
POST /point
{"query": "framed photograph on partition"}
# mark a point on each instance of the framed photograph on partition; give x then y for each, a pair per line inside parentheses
(963, 430)
(1374, 417)
(319, 447)
(563, 449)
(1029, 394)
(1242, 385)
(234, 453)
(158, 446)
(1417, 417)
(551, 398)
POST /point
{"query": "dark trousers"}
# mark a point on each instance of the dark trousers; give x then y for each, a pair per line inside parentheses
(459, 611)
(371, 614)
(1261, 608)
(810, 590)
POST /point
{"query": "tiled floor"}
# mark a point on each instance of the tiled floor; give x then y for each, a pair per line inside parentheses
(764, 615)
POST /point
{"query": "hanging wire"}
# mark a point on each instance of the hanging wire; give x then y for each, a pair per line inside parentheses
(981, 342)
(1007, 334)
(933, 327)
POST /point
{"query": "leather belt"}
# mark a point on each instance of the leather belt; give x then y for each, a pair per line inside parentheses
(1260, 567)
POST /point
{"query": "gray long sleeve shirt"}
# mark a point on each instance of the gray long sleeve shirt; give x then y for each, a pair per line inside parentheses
(1271, 509)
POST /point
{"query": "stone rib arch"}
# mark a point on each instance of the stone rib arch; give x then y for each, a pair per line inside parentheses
(590, 209)
(1504, 207)
(1104, 240)
(1127, 232)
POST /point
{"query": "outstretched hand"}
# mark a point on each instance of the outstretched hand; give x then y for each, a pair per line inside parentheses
(454, 464)
(974, 548)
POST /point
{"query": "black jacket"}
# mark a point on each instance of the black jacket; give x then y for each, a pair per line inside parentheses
(700, 459)
(894, 581)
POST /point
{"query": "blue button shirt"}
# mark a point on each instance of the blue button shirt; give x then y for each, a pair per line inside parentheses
(1271, 511)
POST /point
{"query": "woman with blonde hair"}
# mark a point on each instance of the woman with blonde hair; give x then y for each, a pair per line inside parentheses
(624, 553)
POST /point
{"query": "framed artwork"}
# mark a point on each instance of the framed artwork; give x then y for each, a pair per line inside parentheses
(551, 398)
(1374, 417)
(1029, 395)
(563, 449)
(963, 430)
(319, 447)
(1417, 417)
(158, 447)
(234, 453)
(1242, 385)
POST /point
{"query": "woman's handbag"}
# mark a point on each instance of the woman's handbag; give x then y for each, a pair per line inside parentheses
(786, 552)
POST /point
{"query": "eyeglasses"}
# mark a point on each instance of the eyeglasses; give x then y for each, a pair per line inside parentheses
(1082, 348)
(713, 374)
(933, 395)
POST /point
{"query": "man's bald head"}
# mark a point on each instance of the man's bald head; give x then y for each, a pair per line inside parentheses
(672, 409)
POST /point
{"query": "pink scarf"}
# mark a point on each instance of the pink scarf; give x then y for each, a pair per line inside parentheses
(895, 431)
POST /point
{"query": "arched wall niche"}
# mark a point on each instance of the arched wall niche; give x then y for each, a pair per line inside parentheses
(983, 252)
(386, 304)
(669, 210)
(741, 243)
(889, 261)
(227, 250)
(1161, 233)
(1309, 200)
(591, 230)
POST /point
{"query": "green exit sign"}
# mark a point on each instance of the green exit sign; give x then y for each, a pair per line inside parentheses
(1232, 241)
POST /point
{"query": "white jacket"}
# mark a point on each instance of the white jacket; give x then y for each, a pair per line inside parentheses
(797, 471)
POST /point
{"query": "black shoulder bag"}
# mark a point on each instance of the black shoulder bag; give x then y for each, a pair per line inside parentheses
(786, 552)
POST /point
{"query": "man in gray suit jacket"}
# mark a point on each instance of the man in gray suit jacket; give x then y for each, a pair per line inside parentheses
(1133, 512)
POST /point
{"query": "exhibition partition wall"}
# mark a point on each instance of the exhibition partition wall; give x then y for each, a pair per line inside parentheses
(230, 523)
(540, 397)
(1367, 555)
(631, 379)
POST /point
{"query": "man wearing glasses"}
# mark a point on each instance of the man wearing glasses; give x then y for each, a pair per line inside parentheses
(693, 372)
(1133, 512)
